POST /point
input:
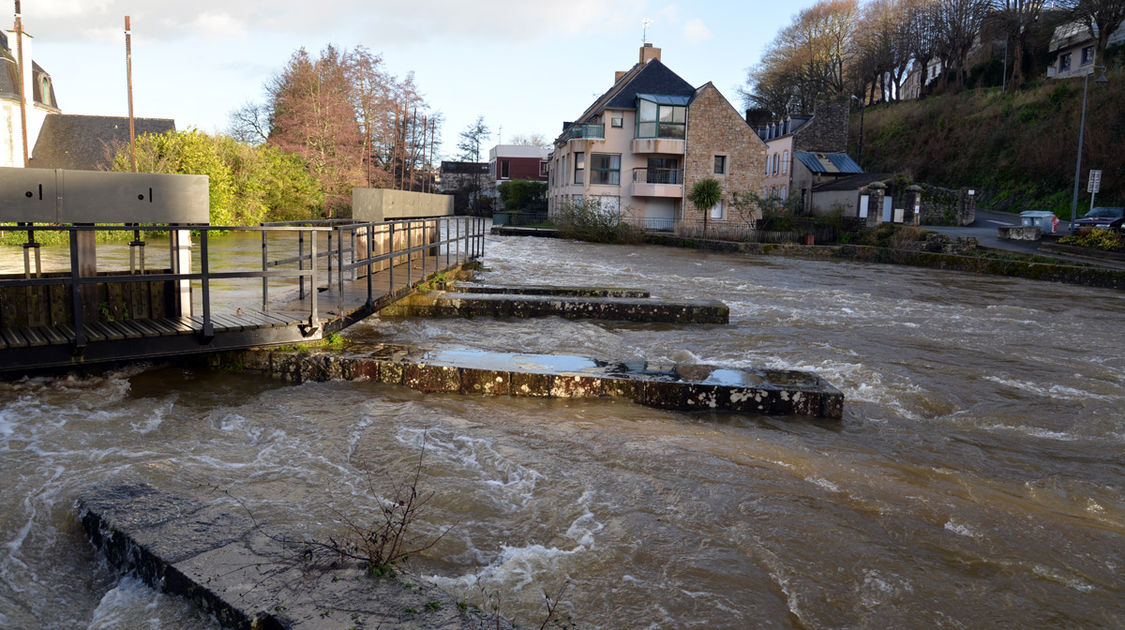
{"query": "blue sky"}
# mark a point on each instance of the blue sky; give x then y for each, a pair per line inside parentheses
(526, 66)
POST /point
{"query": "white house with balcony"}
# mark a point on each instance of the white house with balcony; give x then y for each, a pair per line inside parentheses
(640, 147)
(1073, 45)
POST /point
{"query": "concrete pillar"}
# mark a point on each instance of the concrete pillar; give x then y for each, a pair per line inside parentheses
(913, 205)
(875, 192)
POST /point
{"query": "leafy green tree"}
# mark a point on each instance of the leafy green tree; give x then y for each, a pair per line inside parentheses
(248, 184)
(523, 194)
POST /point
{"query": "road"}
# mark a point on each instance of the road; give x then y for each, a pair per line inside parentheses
(984, 230)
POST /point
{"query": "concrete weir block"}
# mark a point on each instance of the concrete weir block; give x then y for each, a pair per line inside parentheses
(247, 575)
(664, 386)
(631, 309)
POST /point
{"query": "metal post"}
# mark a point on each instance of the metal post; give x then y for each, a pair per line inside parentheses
(265, 280)
(370, 267)
(316, 235)
(301, 264)
(205, 285)
(457, 242)
(339, 269)
(314, 322)
(76, 293)
(424, 236)
(447, 241)
(391, 266)
(409, 246)
(1078, 161)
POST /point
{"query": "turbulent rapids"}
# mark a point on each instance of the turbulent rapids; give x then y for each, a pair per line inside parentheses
(974, 481)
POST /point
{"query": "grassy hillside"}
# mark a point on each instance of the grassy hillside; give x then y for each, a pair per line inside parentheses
(1018, 149)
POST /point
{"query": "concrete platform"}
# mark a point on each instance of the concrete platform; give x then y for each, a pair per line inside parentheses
(631, 309)
(243, 574)
(681, 387)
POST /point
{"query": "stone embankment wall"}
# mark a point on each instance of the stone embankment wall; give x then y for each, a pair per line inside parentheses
(1090, 276)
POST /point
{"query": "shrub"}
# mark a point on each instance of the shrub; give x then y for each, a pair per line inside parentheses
(1103, 239)
(588, 219)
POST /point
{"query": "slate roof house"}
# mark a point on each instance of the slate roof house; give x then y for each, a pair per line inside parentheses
(640, 147)
(805, 151)
(1073, 47)
(55, 140)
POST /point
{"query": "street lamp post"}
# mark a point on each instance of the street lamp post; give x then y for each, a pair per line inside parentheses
(1081, 135)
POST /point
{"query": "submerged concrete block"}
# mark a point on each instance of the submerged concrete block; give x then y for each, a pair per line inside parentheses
(666, 386)
(248, 575)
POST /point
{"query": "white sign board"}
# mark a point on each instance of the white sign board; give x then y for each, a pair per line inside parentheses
(1095, 184)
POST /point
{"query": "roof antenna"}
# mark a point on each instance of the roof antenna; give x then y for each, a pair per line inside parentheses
(645, 23)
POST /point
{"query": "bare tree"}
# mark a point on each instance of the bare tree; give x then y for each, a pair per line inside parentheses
(530, 140)
(472, 139)
(250, 123)
(1017, 17)
(956, 24)
(808, 59)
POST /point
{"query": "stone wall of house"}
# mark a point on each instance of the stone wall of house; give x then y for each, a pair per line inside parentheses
(827, 132)
(714, 127)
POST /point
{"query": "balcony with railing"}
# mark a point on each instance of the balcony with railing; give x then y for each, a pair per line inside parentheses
(586, 132)
(658, 182)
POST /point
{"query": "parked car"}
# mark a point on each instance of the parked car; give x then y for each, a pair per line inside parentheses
(1111, 217)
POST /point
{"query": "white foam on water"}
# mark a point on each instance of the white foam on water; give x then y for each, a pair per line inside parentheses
(518, 566)
(134, 605)
(1035, 432)
(823, 483)
(514, 482)
(1054, 575)
(960, 529)
(1060, 392)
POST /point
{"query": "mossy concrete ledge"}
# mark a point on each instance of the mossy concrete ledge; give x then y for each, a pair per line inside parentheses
(680, 387)
(248, 578)
(540, 289)
(446, 304)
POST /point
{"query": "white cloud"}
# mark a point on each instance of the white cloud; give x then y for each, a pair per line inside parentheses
(696, 32)
(218, 25)
(389, 20)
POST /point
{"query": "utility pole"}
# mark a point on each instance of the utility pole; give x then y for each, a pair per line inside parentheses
(23, 91)
(129, 81)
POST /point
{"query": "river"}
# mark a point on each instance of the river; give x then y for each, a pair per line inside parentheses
(975, 481)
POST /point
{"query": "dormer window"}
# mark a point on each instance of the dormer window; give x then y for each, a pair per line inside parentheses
(661, 116)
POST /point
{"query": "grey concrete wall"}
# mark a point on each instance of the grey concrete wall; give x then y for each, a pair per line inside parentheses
(61, 196)
(826, 202)
(379, 204)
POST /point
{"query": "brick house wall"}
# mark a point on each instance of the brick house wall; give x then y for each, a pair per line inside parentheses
(715, 128)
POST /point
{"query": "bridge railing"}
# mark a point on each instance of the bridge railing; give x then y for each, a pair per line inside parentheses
(353, 249)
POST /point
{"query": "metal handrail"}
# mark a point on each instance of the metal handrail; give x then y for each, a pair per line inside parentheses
(644, 175)
(346, 230)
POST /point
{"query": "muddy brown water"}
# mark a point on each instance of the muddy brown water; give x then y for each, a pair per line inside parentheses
(976, 480)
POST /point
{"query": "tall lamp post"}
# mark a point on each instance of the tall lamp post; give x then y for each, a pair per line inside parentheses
(1081, 134)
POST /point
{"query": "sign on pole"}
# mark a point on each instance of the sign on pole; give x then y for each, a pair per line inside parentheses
(1095, 184)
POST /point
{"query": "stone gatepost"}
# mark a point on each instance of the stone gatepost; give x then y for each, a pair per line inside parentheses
(913, 205)
(875, 191)
(967, 213)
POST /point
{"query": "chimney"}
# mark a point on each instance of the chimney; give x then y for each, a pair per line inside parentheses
(649, 52)
(617, 75)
